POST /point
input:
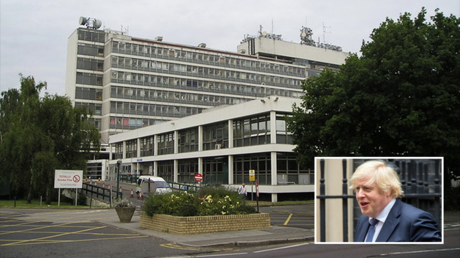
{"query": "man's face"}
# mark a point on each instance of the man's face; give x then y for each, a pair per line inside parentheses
(370, 200)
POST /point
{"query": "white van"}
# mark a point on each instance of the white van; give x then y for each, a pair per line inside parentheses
(157, 185)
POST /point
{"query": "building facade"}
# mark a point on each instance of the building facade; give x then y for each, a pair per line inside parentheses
(223, 144)
(132, 83)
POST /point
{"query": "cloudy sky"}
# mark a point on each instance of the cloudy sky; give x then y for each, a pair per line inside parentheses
(33, 34)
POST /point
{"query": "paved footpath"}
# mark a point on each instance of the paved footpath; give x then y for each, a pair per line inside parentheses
(275, 234)
(235, 238)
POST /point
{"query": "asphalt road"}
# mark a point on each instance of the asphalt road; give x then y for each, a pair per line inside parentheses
(450, 249)
(36, 233)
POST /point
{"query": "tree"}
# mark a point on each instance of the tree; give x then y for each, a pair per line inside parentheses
(39, 135)
(400, 97)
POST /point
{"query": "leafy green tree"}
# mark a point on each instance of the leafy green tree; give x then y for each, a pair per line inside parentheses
(400, 97)
(39, 135)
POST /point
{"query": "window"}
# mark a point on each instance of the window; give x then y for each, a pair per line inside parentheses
(282, 134)
(166, 170)
(166, 143)
(251, 131)
(188, 168)
(289, 171)
(215, 136)
(147, 146)
(131, 148)
(188, 140)
(261, 163)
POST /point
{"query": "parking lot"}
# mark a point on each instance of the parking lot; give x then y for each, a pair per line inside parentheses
(74, 233)
(16, 232)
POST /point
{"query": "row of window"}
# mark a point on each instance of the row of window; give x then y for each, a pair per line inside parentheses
(131, 123)
(90, 50)
(215, 170)
(89, 79)
(146, 109)
(170, 96)
(90, 64)
(201, 57)
(95, 108)
(205, 72)
(88, 93)
(246, 132)
(198, 85)
(91, 35)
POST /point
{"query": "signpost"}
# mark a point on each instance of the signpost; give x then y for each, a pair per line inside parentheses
(252, 178)
(68, 179)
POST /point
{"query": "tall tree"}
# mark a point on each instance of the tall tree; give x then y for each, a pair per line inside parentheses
(400, 97)
(39, 135)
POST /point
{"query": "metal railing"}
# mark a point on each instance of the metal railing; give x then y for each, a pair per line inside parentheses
(100, 192)
(192, 188)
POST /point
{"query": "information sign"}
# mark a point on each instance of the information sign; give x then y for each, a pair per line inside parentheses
(68, 179)
(252, 175)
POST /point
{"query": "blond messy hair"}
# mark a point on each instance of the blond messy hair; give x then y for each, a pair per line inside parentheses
(377, 171)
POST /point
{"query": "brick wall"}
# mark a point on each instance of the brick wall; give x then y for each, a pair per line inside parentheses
(204, 224)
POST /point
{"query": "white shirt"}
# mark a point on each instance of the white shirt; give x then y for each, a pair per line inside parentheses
(242, 190)
(381, 217)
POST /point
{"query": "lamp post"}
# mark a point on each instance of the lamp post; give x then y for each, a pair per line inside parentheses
(118, 177)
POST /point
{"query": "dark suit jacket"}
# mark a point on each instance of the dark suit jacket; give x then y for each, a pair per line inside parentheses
(404, 223)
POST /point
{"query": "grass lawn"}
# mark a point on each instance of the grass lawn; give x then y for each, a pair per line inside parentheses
(36, 204)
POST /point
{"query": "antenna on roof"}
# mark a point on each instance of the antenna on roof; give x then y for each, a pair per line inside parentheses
(90, 23)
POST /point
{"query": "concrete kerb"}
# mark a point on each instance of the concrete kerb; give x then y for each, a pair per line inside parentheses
(273, 235)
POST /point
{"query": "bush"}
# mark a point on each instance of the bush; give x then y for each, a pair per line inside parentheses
(208, 201)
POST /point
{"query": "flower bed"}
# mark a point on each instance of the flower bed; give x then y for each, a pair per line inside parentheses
(213, 209)
(209, 201)
(204, 224)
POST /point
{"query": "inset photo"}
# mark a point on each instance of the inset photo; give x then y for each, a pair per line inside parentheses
(379, 200)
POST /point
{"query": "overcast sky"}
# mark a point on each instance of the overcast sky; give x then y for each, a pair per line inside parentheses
(33, 34)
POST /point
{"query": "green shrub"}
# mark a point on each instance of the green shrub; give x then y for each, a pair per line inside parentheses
(153, 205)
(208, 201)
(246, 209)
(187, 210)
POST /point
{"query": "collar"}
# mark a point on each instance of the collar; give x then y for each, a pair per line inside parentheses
(384, 214)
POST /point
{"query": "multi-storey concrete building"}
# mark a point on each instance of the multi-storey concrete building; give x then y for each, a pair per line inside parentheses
(222, 144)
(132, 83)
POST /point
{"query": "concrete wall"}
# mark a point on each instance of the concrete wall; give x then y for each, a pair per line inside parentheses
(204, 224)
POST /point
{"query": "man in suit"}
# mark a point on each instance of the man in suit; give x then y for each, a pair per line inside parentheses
(385, 217)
